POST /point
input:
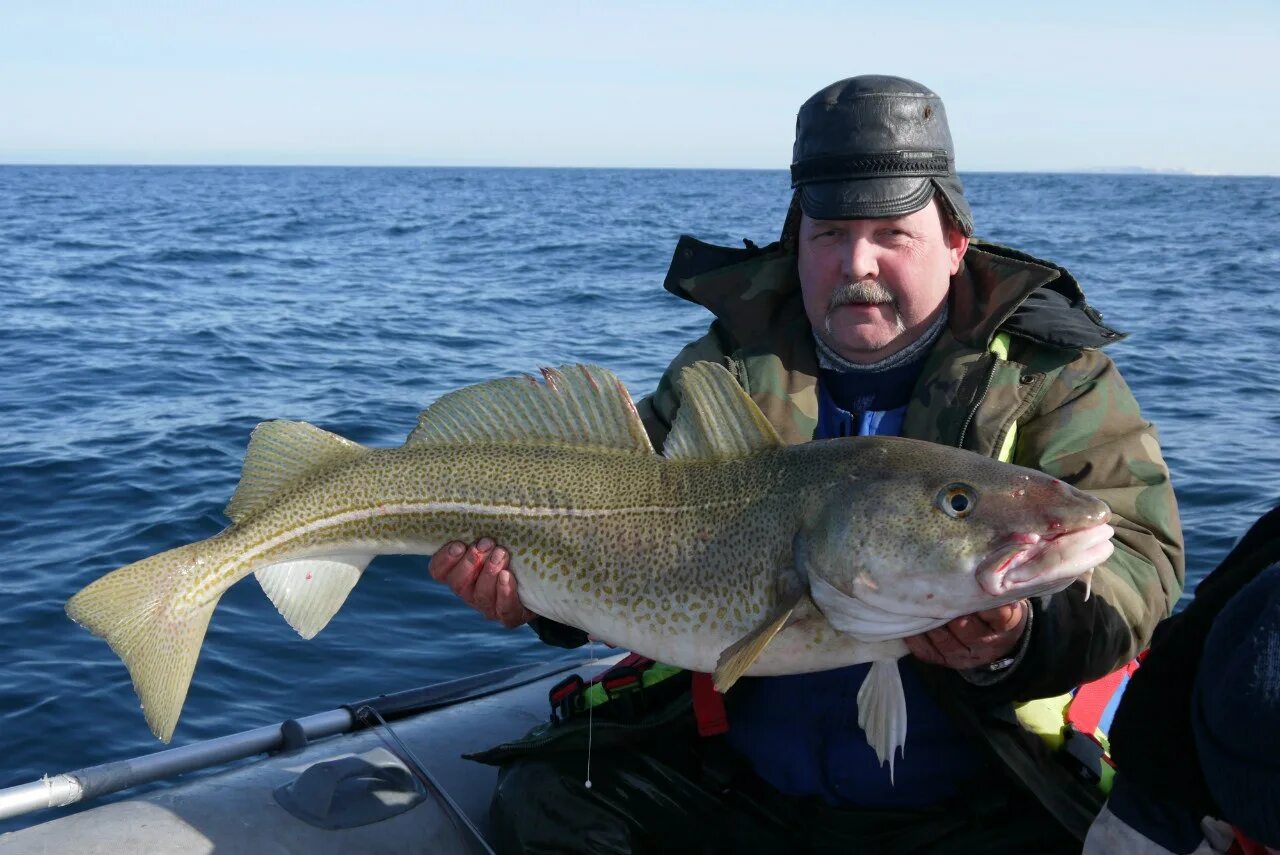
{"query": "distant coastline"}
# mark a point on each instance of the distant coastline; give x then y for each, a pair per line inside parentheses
(1140, 170)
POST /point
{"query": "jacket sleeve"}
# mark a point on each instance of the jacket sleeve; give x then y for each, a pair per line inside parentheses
(1088, 431)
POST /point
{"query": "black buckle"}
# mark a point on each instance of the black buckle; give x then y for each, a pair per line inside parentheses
(619, 679)
(1082, 754)
(622, 686)
(563, 696)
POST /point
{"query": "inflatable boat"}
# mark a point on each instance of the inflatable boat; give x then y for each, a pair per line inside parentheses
(383, 775)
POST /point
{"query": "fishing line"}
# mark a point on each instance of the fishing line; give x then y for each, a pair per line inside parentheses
(461, 823)
(590, 720)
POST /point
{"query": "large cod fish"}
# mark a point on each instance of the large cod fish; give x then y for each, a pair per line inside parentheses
(731, 553)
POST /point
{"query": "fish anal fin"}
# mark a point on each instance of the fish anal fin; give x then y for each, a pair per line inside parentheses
(580, 405)
(281, 453)
(716, 419)
(309, 591)
(739, 656)
(882, 711)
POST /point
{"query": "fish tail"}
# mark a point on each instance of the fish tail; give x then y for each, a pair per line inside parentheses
(141, 611)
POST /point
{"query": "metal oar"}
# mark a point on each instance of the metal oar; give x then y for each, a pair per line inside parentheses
(71, 787)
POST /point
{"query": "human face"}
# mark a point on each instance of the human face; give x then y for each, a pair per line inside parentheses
(872, 287)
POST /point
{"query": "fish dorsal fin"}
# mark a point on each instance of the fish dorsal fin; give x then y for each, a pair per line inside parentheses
(582, 405)
(716, 417)
(280, 453)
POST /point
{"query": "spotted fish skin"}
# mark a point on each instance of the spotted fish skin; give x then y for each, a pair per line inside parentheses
(678, 557)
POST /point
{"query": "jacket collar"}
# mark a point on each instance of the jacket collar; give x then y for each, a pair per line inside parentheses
(997, 289)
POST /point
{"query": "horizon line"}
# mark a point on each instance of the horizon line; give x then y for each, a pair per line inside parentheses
(1090, 170)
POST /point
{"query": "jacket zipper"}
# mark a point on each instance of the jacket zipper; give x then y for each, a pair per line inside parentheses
(991, 375)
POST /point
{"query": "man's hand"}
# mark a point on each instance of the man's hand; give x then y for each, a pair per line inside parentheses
(973, 640)
(480, 575)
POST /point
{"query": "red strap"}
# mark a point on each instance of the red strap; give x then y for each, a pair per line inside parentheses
(1243, 845)
(632, 660)
(708, 706)
(1090, 701)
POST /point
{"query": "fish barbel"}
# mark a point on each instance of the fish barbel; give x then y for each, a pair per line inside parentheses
(730, 553)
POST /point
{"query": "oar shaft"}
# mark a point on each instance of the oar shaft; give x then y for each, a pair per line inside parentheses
(94, 781)
(46, 793)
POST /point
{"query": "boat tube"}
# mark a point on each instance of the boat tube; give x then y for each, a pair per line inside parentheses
(382, 775)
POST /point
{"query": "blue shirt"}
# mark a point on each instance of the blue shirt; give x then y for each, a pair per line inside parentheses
(800, 732)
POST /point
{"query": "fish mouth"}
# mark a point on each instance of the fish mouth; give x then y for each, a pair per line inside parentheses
(1031, 563)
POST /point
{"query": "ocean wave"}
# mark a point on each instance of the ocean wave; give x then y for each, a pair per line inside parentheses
(203, 256)
(401, 231)
(82, 245)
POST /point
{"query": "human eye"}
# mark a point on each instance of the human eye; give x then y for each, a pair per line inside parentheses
(893, 234)
(824, 234)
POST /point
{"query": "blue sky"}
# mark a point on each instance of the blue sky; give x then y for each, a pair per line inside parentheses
(1171, 85)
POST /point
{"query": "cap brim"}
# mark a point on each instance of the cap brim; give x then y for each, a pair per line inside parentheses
(865, 198)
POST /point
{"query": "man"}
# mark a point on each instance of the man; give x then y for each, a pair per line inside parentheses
(876, 314)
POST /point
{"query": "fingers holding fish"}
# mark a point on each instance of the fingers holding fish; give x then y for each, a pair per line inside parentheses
(485, 592)
(445, 559)
(460, 567)
(462, 577)
(971, 641)
(1004, 618)
(926, 649)
(480, 574)
(510, 611)
(495, 591)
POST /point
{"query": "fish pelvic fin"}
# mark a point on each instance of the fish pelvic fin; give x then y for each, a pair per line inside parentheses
(141, 612)
(280, 454)
(716, 418)
(882, 711)
(309, 591)
(739, 656)
(578, 405)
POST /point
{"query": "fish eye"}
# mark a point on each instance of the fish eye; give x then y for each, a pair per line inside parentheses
(957, 500)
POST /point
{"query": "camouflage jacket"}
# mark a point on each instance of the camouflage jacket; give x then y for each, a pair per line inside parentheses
(1075, 419)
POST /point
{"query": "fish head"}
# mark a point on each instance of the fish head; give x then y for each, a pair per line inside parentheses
(926, 531)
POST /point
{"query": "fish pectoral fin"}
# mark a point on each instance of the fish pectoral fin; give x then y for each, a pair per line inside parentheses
(309, 591)
(739, 656)
(882, 711)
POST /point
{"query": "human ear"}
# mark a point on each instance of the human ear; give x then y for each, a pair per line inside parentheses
(957, 246)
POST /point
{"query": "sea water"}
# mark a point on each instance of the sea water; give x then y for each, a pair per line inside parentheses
(150, 317)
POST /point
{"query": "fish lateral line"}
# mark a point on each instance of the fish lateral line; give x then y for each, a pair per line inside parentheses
(320, 524)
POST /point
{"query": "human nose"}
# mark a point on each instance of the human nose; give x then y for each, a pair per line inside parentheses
(860, 261)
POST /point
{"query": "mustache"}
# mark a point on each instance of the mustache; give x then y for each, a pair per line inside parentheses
(871, 291)
(863, 292)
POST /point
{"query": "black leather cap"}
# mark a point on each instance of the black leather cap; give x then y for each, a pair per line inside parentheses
(875, 146)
